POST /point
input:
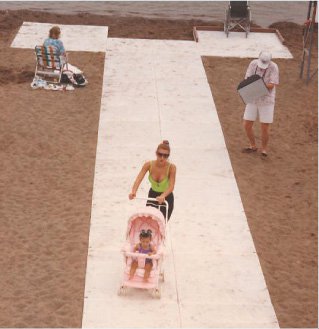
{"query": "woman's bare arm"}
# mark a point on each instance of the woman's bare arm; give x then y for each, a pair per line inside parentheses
(139, 179)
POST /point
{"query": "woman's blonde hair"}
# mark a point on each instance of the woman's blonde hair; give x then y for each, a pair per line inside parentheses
(164, 146)
(54, 32)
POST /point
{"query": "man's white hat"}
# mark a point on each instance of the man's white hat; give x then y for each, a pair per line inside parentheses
(264, 59)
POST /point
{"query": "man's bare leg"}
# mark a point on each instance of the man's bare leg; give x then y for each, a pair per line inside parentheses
(265, 132)
(248, 126)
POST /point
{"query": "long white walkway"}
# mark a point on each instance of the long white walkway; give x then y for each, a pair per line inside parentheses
(154, 90)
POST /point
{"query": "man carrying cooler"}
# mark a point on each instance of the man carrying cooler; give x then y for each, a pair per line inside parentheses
(262, 106)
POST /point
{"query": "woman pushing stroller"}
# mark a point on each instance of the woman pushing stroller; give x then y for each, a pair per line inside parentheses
(162, 175)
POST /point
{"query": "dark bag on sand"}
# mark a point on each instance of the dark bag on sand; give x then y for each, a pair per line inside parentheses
(77, 79)
(252, 88)
(65, 78)
(80, 79)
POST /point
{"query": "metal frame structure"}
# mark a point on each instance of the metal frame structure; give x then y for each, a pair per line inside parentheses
(237, 14)
(308, 38)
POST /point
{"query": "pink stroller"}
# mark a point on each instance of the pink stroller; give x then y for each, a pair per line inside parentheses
(145, 218)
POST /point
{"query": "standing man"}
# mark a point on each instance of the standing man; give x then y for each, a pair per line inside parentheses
(262, 106)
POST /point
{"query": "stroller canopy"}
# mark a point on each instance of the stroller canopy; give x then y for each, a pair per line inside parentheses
(146, 212)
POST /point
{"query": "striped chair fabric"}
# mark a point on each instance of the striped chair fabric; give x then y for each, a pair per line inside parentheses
(48, 56)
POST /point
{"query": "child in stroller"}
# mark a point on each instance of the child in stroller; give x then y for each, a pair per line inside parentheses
(144, 247)
(143, 250)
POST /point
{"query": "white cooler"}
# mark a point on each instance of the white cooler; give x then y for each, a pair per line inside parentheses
(252, 88)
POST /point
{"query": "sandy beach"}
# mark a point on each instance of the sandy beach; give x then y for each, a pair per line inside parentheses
(48, 144)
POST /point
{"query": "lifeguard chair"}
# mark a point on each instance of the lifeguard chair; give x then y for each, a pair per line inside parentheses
(237, 15)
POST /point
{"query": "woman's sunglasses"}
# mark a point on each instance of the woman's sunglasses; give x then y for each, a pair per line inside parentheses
(162, 155)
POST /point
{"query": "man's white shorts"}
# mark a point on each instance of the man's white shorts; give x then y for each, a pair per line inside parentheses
(265, 112)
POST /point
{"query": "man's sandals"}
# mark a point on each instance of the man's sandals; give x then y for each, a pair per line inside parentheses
(249, 150)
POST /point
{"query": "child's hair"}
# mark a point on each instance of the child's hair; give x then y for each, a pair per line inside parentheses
(164, 146)
(146, 234)
(54, 32)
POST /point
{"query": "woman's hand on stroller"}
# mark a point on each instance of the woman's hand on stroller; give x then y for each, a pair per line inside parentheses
(131, 196)
(160, 199)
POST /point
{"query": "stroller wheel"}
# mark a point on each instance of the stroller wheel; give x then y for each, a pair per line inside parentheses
(122, 291)
(158, 293)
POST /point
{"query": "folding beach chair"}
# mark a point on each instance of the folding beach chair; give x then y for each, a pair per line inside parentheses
(49, 63)
(237, 15)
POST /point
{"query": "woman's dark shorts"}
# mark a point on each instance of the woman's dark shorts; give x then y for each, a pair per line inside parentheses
(169, 199)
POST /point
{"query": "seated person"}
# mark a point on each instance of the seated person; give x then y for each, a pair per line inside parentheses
(53, 40)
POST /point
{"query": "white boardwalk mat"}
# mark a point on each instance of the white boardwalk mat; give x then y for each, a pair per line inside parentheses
(215, 43)
(154, 90)
(74, 37)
